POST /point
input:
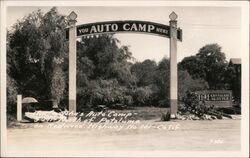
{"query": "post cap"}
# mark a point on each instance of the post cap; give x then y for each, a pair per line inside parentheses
(72, 16)
(173, 16)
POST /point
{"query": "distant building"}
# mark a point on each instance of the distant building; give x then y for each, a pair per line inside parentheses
(235, 61)
(235, 64)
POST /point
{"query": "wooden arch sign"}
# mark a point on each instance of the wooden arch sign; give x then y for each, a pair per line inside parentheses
(124, 27)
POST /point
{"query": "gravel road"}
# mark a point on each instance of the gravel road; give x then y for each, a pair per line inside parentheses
(45, 139)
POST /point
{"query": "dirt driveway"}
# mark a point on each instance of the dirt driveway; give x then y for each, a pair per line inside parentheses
(50, 139)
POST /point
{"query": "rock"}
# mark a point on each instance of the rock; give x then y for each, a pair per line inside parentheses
(207, 117)
(173, 116)
(196, 118)
(213, 117)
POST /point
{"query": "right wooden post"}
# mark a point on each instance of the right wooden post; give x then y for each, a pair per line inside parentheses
(173, 65)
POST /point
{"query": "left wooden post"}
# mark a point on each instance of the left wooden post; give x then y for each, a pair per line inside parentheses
(72, 61)
(19, 107)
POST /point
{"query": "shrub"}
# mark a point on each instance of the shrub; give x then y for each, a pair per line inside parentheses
(194, 106)
(102, 92)
(166, 116)
(141, 95)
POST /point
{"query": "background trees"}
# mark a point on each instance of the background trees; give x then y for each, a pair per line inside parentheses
(103, 72)
(145, 91)
(187, 83)
(208, 64)
(37, 65)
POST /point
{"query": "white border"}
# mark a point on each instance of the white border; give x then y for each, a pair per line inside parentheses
(245, 79)
(3, 104)
(125, 3)
(245, 74)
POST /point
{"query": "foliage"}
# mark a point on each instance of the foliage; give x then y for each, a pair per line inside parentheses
(162, 81)
(166, 116)
(145, 72)
(100, 91)
(103, 73)
(152, 84)
(142, 95)
(193, 65)
(233, 81)
(209, 61)
(57, 86)
(193, 105)
(109, 60)
(187, 83)
(34, 43)
(12, 92)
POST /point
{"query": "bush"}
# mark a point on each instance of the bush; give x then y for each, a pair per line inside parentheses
(141, 95)
(11, 120)
(186, 82)
(193, 105)
(167, 116)
(102, 92)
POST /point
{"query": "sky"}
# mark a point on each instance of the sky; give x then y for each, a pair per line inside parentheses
(200, 26)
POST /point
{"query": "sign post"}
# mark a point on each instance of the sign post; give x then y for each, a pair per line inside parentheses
(19, 107)
(72, 61)
(173, 65)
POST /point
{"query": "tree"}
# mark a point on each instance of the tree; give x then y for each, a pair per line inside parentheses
(187, 83)
(143, 96)
(144, 93)
(145, 72)
(209, 64)
(162, 81)
(12, 92)
(54, 26)
(57, 84)
(35, 44)
(233, 81)
(193, 65)
(215, 64)
(103, 72)
(153, 83)
(110, 60)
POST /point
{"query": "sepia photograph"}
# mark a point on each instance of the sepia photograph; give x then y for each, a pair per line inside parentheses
(124, 79)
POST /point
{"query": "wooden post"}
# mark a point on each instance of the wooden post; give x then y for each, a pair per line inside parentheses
(19, 107)
(72, 62)
(173, 65)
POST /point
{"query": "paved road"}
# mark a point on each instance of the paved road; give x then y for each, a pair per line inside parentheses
(216, 135)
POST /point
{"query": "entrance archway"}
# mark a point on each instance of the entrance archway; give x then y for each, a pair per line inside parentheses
(171, 32)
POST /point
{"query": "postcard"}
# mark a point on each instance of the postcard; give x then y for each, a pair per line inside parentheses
(124, 78)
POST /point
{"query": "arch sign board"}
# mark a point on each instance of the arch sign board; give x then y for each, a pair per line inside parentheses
(172, 32)
(125, 26)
